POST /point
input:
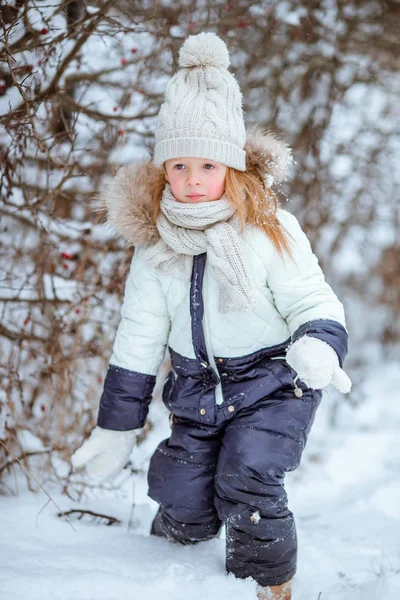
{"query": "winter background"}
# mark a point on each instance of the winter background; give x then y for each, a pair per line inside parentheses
(80, 87)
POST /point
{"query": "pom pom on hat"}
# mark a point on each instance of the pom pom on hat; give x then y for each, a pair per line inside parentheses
(204, 50)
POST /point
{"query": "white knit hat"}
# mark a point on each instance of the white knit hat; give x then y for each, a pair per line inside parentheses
(202, 113)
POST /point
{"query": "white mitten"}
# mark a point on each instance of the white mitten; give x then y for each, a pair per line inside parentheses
(105, 453)
(317, 364)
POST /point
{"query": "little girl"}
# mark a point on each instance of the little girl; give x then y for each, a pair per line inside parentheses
(228, 281)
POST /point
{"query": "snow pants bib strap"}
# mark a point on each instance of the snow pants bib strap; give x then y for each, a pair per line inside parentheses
(207, 410)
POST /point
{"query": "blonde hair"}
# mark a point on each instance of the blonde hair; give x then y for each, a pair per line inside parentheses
(255, 203)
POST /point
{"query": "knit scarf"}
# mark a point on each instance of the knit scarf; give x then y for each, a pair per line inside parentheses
(187, 230)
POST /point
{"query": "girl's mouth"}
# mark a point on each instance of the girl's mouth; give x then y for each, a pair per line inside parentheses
(195, 196)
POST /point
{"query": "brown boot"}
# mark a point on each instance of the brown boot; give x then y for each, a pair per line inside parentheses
(276, 592)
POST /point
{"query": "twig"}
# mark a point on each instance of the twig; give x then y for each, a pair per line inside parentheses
(81, 512)
(25, 455)
(38, 482)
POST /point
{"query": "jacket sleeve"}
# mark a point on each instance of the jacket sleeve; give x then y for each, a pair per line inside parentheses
(301, 294)
(138, 350)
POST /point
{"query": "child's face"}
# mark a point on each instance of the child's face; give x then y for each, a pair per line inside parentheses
(195, 179)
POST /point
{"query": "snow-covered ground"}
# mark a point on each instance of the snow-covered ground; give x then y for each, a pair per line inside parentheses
(345, 496)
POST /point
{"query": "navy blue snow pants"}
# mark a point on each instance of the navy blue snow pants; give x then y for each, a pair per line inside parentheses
(232, 471)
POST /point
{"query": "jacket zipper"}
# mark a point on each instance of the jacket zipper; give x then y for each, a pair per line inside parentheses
(219, 398)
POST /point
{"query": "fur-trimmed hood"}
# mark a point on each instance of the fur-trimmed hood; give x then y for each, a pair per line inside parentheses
(126, 202)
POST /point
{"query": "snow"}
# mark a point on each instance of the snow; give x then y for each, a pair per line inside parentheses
(28, 441)
(255, 517)
(345, 497)
(292, 17)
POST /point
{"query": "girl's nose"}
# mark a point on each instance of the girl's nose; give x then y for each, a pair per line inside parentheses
(193, 178)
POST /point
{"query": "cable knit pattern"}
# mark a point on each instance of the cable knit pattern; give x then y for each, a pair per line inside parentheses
(202, 113)
(187, 230)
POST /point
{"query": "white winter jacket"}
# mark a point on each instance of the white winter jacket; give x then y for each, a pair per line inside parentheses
(156, 310)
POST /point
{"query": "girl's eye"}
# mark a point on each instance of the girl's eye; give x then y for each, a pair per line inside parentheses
(178, 165)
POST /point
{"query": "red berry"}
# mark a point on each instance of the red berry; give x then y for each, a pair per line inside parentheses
(42, 407)
(115, 108)
(133, 50)
(65, 266)
(26, 321)
(66, 255)
(296, 34)
(77, 310)
(124, 61)
(44, 30)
